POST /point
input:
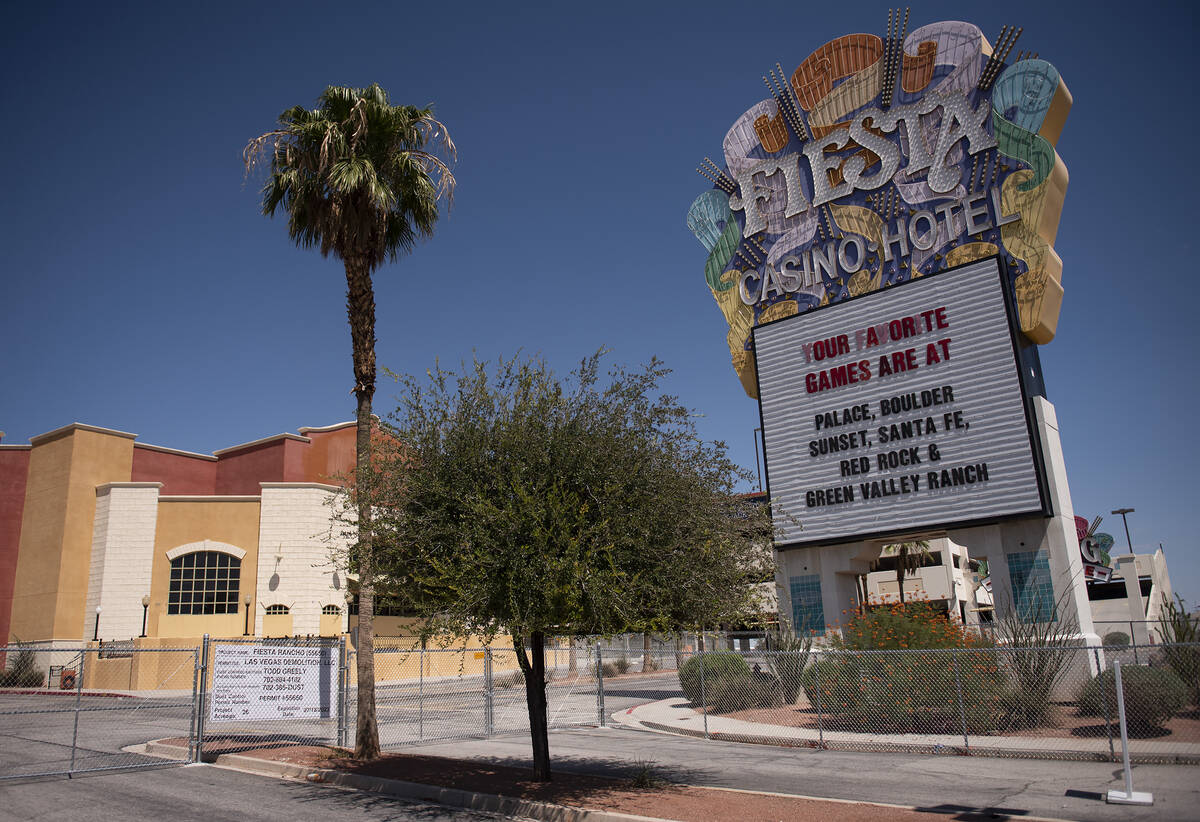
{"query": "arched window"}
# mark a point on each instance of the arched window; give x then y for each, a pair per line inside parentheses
(331, 610)
(277, 610)
(204, 582)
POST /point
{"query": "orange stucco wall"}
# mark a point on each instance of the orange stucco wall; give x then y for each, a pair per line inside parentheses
(330, 456)
(50, 588)
(180, 522)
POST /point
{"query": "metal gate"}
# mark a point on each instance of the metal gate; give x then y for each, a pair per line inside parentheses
(68, 710)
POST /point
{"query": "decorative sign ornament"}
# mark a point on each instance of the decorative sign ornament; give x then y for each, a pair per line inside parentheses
(1094, 550)
(880, 160)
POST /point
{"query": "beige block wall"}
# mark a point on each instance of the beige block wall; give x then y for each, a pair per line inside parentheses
(54, 558)
(185, 520)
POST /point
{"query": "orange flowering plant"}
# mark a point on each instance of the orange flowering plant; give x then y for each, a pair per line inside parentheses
(909, 668)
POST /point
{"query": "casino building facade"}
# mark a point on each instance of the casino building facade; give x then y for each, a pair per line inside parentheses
(104, 537)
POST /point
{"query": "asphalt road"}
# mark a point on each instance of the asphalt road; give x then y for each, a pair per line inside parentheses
(36, 730)
(1018, 787)
(203, 793)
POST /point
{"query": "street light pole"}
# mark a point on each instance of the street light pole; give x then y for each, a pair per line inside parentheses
(96, 633)
(145, 610)
(1123, 512)
(246, 630)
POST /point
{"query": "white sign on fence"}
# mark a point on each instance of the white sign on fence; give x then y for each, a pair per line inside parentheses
(265, 682)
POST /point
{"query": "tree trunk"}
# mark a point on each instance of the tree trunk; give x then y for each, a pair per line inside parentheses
(360, 308)
(901, 559)
(535, 699)
(647, 663)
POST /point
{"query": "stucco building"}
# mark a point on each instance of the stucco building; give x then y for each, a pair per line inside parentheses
(102, 536)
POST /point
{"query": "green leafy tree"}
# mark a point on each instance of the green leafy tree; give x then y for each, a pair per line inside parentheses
(513, 502)
(358, 178)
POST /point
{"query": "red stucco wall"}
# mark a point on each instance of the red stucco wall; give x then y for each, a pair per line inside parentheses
(14, 470)
(179, 473)
(241, 472)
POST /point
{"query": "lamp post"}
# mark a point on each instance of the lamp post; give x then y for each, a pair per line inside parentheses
(96, 633)
(145, 610)
(1123, 512)
(246, 602)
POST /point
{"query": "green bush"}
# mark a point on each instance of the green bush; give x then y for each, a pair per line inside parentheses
(1115, 639)
(718, 665)
(908, 692)
(736, 694)
(22, 671)
(1152, 695)
(1176, 625)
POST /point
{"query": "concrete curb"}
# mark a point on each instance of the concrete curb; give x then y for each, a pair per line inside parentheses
(872, 743)
(492, 803)
(71, 692)
(450, 797)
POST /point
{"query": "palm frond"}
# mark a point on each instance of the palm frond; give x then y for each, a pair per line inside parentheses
(356, 175)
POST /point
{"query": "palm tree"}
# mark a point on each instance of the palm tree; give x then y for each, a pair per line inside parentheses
(909, 557)
(356, 178)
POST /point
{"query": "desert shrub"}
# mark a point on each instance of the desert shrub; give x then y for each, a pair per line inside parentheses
(1036, 659)
(733, 693)
(22, 671)
(608, 669)
(907, 692)
(899, 626)
(1115, 639)
(718, 665)
(786, 660)
(1152, 695)
(623, 665)
(1176, 626)
(875, 675)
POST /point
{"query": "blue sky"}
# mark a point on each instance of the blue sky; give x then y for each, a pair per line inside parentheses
(142, 290)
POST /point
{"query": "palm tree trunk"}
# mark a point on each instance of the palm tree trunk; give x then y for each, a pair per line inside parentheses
(360, 308)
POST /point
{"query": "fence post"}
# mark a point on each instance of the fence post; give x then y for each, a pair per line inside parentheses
(489, 695)
(962, 711)
(1128, 796)
(341, 704)
(196, 682)
(601, 720)
(201, 697)
(703, 695)
(1112, 753)
(817, 680)
(78, 700)
(421, 693)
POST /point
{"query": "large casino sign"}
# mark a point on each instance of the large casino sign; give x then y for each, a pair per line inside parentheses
(880, 160)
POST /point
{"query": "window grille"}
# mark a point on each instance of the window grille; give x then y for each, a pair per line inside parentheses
(204, 582)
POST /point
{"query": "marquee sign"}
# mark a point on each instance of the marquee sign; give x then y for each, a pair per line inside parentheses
(880, 160)
(899, 411)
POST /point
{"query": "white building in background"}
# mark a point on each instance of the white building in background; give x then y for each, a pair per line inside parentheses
(946, 578)
(1132, 601)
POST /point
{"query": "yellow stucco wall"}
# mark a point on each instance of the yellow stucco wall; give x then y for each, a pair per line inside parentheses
(184, 521)
(50, 590)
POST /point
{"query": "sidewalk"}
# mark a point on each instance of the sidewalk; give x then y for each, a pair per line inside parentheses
(571, 797)
(675, 715)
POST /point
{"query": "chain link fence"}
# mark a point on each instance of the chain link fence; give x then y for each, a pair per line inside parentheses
(1048, 702)
(71, 710)
(79, 709)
